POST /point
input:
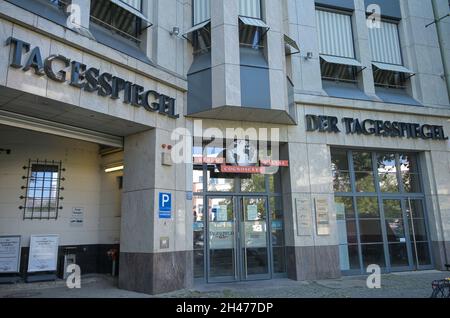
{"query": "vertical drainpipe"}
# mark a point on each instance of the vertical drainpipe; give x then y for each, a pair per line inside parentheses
(441, 44)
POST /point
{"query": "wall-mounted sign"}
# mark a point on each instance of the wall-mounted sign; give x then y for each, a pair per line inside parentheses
(221, 235)
(209, 160)
(370, 127)
(303, 215)
(89, 79)
(165, 205)
(43, 253)
(252, 212)
(322, 216)
(9, 254)
(77, 217)
(242, 169)
(164, 243)
(274, 163)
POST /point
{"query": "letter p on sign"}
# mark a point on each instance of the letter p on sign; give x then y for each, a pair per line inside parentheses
(165, 205)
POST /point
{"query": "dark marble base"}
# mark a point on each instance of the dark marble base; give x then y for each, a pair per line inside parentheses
(156, 273)
(312, 262)
(441, 254)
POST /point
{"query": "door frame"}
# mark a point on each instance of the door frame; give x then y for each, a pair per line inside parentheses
(238, 257)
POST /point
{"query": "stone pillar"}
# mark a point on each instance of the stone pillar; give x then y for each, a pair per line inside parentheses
(362, 48)
(303, 29)
(146, 265)
(276, 55)
(225, 59)
(309, 256)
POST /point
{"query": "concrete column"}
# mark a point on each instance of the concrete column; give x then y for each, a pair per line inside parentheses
(362, 48)
(421, 53)
(276, 55)
(309, 256)
(146, 265)
(225, 64)
(303, 29)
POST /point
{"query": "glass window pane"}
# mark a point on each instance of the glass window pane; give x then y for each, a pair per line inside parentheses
(386, 163)
(408, 162)
(362, 161)
(197, 179)
(254, 183)
(199, 263)
(365, 182)
(416, 207)
(370, 231)
(373, 254)
(275, 183)
(279, 264)
(347, 232)
(388, 182)
(420, 230)
(349, 257)
(392, 209)
(219, 182)
(395, 229)
(368, 207)
(423, 253)
(398, 254)
(411, 182)
(344, 208)
(340, 170)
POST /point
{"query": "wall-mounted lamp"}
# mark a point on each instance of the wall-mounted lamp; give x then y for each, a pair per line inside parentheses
(7, 151)
(175, 31)
(309, 56)
(114, 167)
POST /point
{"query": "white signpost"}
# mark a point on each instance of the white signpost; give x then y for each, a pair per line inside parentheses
(43, 253)
(9, 254)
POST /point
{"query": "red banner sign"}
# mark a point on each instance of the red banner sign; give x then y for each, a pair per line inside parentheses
(274, 163)
(208, 160)
(242, 169)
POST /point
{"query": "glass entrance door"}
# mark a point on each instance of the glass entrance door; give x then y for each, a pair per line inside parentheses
(406, 232)
(238, 241)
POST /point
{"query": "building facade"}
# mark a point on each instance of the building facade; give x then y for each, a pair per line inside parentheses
(181, 141)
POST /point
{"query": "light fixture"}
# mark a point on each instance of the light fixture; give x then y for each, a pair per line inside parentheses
(114, 167)
(309, 56)
(175, 31)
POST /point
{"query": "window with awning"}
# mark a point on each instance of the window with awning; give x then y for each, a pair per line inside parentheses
(337, 53)
(388, 67)
(123, 17)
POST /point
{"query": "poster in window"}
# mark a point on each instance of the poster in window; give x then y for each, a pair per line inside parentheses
(222, 213)
(221, 235)
(322, 217)
(9, 254)
(43, 253)
(255, 234)
(252, 212)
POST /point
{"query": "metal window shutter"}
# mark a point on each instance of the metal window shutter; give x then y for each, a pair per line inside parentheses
(385, 44)
(335, 34)
(250, 8)
(202, 11)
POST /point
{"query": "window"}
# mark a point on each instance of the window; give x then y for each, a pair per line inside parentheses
(379, 210)
(122, 17)
(42, 197)
(337, 54)
(252, 28)
(388, 69)
(200, 34)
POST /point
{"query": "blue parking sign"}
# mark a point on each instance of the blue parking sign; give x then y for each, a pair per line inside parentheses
(165, 205)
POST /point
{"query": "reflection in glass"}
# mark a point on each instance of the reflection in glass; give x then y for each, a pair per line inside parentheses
(340, 171)
(365, 182)
(395, 230)
(198, 236)
(398, 255)
(370, 231)
(218, 182)
(388, 182)
(362, 161)
(423, 253)
(254, 183)
(420, 231)
(349, 257)
(411, 182)
(368, 207)
(276, 212)
(344, 208)
(392, 209)
(373, 254)
(197, 179)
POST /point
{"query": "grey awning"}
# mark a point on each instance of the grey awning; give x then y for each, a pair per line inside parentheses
(129, 8)
(196, 28)
(291, 42)
(254, 22)
(393, 68)
(340, 60)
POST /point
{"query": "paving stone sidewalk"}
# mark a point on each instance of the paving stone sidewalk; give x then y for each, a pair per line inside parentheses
(398, 285)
